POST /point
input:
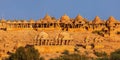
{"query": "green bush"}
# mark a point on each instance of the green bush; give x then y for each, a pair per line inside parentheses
(25, 53)
(115, 55)
(100, 54)
(103, 58)
(71, 57)
(66, 52)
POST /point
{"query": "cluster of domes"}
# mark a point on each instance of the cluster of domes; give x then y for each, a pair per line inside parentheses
(64, 19)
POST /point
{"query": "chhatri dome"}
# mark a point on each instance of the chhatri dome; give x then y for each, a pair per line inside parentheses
(79, 17)
(38, 21)
(31, 21)
(8, 21)
(111, 19)
(65, 18)
(24, 21)
(18, 21)
(97, 20)
(47, 19)
(2, 20)
(14, 21)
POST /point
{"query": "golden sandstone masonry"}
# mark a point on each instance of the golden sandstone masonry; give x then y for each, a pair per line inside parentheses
(64, 23)
(51, 35)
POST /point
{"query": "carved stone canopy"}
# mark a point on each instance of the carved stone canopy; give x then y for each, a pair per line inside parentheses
(8, 21)
(111, 19)
(97, 20)
(48, 19)
(32, 21)
(79, 19)
(65, 19)
(2, 20)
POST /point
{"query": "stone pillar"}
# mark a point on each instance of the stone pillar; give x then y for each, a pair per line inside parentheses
(39, 42)
(66, 42)
(48, 25)
(46, 41)
(41, 25)
(37, 25)
(58, 41)
(63, 42)
(49, 42)
(36, 42)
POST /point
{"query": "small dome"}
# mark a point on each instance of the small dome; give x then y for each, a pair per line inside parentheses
(14, 21)
(2, 20)
(97, 20)
(64, 35)
(64, 18)
(8, 21)
(79, 17)
(111, 19)
(18, 21)
(47, 17)
(31, 21)
(24, 21)
(43, 35)
(38, 21)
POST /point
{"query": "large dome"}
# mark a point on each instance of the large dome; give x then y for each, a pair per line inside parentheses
(43, 35)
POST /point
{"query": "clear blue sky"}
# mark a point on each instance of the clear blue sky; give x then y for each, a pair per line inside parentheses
(36, 9)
